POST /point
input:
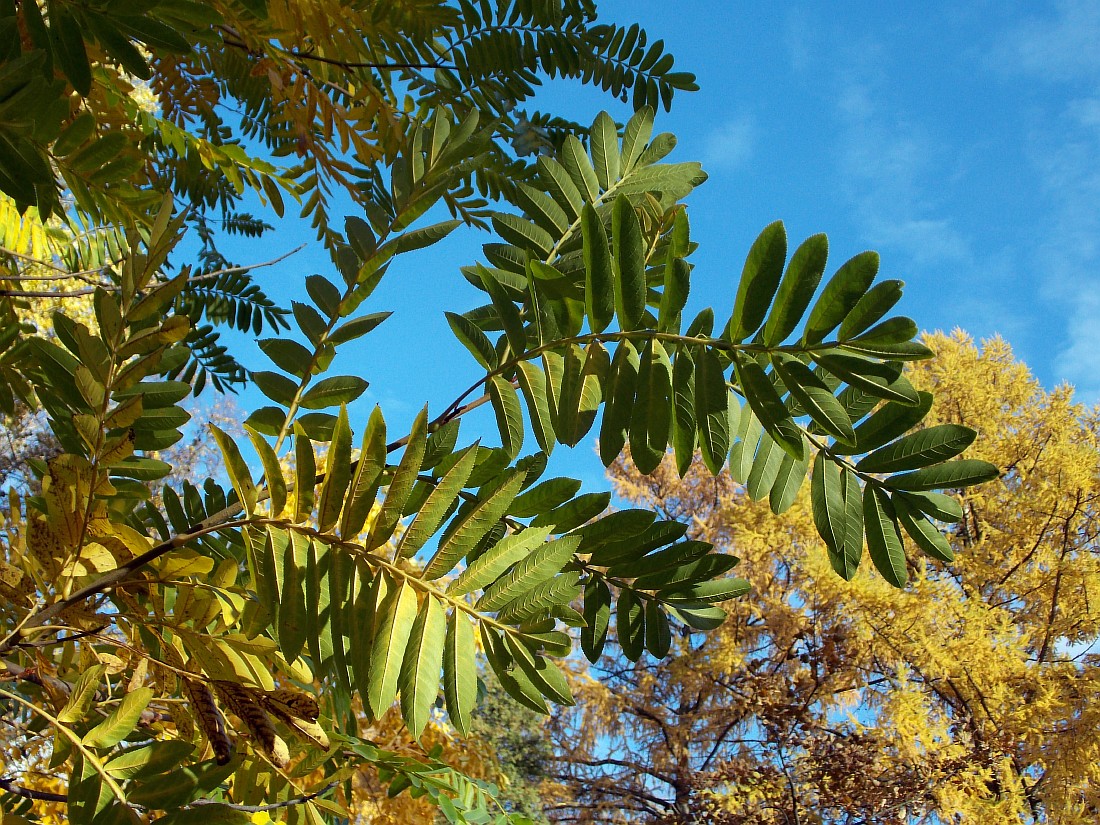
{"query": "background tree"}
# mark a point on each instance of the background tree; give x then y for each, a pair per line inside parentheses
(215, 652)
(970, 698)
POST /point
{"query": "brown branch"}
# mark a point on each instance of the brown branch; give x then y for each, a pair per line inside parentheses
(28, 793)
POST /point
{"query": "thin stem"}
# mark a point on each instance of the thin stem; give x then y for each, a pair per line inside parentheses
(90, 757)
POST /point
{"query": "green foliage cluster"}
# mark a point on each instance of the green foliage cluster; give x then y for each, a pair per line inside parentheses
(206, 652)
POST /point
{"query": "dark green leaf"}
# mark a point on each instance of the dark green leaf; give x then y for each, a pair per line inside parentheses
(629, 264)
(599, 285)
(950, 475)
(803, 274)
(651, 421)
(505, 401)
(840, 296)
(923, 533)
(597, 616)
(920, 449)
(759, 281)
(883, 538)
(769, 408)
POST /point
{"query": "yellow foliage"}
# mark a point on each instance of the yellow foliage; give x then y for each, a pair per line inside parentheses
(973, 696)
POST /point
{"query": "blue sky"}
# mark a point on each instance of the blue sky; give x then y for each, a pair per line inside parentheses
(960, 141)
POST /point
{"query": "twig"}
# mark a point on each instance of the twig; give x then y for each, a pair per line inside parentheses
(28, 793)
(245, 268)
(274, 806)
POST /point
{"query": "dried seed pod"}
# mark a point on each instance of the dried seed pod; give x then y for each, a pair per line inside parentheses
(298, 705)
(210, 719)
(242, 701)
(306, 728)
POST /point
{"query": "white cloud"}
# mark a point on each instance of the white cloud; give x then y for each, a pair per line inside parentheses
(1058, 47)
(730, 145)
(890, 170)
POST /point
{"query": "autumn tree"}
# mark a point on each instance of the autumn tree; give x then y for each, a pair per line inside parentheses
(971, 697)
(228, 649)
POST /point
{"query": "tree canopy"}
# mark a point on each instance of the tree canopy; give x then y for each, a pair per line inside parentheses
(970, 698)
(219, 649)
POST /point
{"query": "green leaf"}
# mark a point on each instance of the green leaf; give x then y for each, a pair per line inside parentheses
(491, 564)
(471, 337)
(882, 380)
(658, 634)
(937, 505)
(505, 401)
(630, 624)
(576, 162)
(439, 502)
(532, 571)
(331, 392)
(599, 285)
(618, 409)
(883, 538)
(788, 481)
(604, 139)
(597, 617)
(82, 695)
(278, 388)
(523, 234)
(883, 426)
(574, 513)
(513, 679)
(651, 421)
(689, 571)
(840, 296)
(765, 468)
(460, 671)
(357, 327)
(289, 356)
(149, 760)
(920, 449)
(700, 617)
(749, 430)
(536, 603)
(544, 497)
(239, 473)
(636, 137)
(293, 622)
(401, 484)
(305, 475)
(831, 517)
(803, 274)
(473, 527)
(560, 186)
(762, 397)
(68, 47)
(337, 473)
(398, 612)
(874, 304)
(365, 480)
(506, 309)
(629, 264)
(712, 410)
(425, 236)
(759, 281)
(712, 591)
(923, 532)
(674, 297)
(419, 678)
(541, 672)
(815, 398)
(273, 471)
(532, 383)
(542, 209)
(965, 472)
(122, 721)
(684, 415)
